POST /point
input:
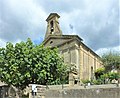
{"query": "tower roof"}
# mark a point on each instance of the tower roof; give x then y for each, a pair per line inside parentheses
(52, 15)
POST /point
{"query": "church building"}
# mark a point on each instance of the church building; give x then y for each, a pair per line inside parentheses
(74, 51)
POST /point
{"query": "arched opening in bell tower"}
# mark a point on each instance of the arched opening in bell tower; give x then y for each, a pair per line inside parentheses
(51, 27)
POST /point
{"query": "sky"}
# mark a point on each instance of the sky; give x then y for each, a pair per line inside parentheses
(95, 21)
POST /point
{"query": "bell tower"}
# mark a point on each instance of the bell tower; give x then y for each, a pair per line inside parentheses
(53, 27)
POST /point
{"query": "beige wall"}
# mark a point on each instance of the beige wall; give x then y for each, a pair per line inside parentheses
(71, 56)
(89, 62)
(85, 60)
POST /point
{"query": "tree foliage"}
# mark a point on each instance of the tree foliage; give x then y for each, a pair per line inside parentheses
(26, 63)
(99, 72)
(111, 60)
(111, 68)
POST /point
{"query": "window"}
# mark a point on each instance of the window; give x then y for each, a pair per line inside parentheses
(51, 27)
(51, 42)
(92, 74)
(51, 23)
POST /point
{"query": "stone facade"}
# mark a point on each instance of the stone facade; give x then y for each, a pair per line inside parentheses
(72, 48)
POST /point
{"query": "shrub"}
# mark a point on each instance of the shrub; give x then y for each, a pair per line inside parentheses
(112, 75)
(96, 82)
(99, 72)
(86, 81)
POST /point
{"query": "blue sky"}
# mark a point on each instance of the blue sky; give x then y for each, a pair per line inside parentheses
(95, 21)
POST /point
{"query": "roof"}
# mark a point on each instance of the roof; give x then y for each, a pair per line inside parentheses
(52, 15)
(90, 50)
(70, 38)
(62, 37)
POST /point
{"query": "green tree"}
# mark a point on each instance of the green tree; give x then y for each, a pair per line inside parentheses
(99, 72)
(111, 60)
(26, 63)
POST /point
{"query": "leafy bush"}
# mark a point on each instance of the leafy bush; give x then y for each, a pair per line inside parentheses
(96, 82)
(86, 81)
(99, 72)
(112, 75)
(104, 75)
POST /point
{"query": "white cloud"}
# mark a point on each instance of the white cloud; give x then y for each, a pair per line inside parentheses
(2, 43)
(21, 19)
(94, 22)
(97, 22)
(102, 51)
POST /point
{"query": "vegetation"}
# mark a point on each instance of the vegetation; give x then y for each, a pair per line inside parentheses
(110, 71)
(111, 63)
(86, 81)
(111, 60)
(26, 63)
(99, 72)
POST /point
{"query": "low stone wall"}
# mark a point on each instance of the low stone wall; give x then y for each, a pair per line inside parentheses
(76, 91)
(84, 93)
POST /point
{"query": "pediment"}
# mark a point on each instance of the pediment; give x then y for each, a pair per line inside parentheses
(55, 41)
(58, 40)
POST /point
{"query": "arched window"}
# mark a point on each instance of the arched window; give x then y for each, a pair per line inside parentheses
(92, 73)
(51, 27)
